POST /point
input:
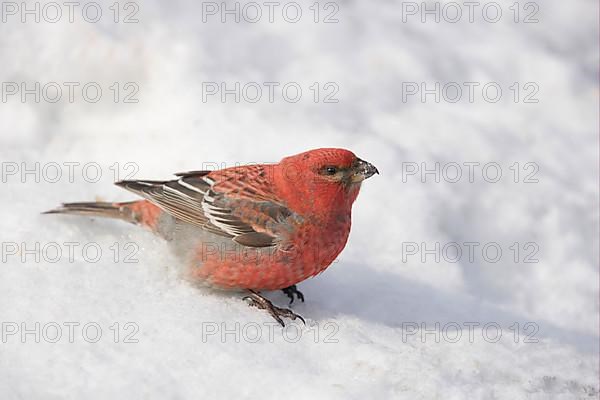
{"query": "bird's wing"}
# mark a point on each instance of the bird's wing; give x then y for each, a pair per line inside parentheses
(234, 202)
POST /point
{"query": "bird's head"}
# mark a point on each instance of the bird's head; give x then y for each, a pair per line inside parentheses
(325, 178)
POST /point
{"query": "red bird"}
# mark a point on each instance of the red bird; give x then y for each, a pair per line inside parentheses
(255, 227)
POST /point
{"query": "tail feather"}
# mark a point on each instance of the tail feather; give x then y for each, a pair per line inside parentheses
(97, 209)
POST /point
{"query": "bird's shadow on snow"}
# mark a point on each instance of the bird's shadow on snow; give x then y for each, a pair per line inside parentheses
(388, 299)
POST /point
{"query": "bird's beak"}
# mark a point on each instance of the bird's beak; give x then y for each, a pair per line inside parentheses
(362, 170)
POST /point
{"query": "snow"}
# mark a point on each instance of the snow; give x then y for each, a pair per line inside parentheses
(365, 313)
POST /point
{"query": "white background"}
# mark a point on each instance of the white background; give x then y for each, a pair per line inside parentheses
(369, 296)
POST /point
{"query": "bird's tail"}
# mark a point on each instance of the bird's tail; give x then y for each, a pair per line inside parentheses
(96, 209)
(140, 212)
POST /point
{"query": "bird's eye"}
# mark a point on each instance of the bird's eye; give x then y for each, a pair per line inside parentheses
(330, 170)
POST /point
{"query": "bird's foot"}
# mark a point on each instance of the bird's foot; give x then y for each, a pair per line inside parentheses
(277, 313)
(290, 291)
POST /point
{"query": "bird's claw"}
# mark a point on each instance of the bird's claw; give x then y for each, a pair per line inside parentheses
(256, 300)
(290, 291)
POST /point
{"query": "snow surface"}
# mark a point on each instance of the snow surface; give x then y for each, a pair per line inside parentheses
(367, 304)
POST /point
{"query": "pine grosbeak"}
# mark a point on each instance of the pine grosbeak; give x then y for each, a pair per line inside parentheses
(255, 227)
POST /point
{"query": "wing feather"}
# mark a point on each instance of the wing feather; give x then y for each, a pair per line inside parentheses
(234, 202)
